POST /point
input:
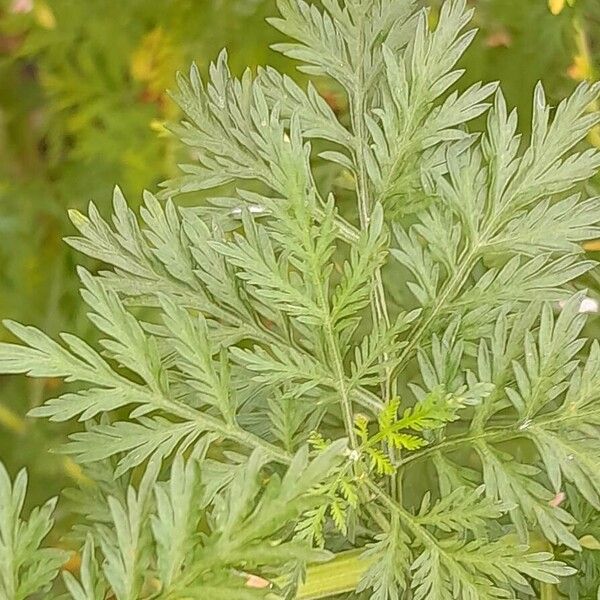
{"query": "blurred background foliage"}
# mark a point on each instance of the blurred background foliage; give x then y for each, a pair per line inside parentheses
(83, 107)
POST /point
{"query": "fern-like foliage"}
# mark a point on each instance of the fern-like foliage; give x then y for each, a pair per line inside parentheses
(416, 344)
(25, 568)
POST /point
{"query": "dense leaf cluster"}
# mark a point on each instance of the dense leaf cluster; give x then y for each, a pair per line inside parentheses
(403, 384)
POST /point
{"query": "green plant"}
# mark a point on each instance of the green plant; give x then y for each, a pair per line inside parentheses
(402, 387)
(80, 106)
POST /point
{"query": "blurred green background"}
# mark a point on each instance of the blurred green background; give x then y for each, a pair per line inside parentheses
(83, 107)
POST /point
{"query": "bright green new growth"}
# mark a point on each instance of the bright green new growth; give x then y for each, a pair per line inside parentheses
(404, 384)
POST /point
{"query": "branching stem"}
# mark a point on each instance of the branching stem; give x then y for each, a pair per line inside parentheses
(505, 433)
(379, 307)
(229, 431)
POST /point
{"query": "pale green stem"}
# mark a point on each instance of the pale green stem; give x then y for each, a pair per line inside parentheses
(229, 431)
(379, 307)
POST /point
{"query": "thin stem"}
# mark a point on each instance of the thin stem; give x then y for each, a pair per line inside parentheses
(347, 232)
(454, 285)
(467, 261)
(368, 400)
(458, 441)
(346, 401)
(379, 307)
(357, 110)
(418, 530)
(322, 302)
(233, 432)
(505, 433)
(396, 508)
(378, 303)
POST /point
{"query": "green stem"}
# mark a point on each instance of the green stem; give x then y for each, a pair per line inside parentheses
(229, 431)
(467, 261)
(454, 285)
(548, 591)
(379, 309)
(505, 433)
(338, 576)
(322, 302)
(346, 401)
(378, 303)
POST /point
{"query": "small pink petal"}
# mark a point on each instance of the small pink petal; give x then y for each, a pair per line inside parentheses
(253, 581)
(21, 6)
(558, 500)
